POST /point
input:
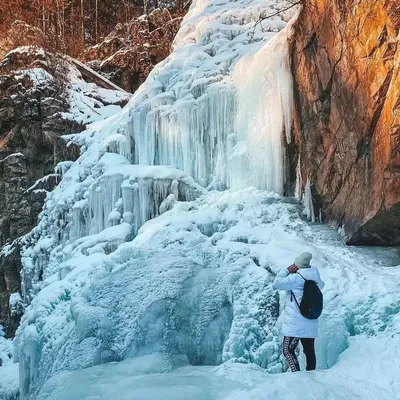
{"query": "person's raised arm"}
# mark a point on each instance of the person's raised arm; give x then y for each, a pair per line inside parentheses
(286, 279)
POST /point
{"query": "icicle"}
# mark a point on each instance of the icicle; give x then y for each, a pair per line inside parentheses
(104, 193)
(299, 183)
(175, 189)
(80, 220)
(63, 167)
(308, 203)
(190, 134)
(264, 84)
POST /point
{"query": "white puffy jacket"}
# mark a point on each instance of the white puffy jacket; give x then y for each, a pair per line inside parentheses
(293, 323)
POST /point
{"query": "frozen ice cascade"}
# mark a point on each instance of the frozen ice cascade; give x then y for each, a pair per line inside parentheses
(217, 107)
(201, 120)
(140, 251)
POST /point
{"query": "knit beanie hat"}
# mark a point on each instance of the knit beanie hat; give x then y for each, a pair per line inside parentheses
(303, 260)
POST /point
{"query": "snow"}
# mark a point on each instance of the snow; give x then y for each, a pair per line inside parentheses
(12, 156)
(118, 92)
(16, 303)
(90, 103)
(38, 76)
(40, 182)
(27, 50)
(197, 282)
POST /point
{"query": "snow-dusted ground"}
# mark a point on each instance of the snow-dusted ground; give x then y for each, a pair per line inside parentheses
(366, 371)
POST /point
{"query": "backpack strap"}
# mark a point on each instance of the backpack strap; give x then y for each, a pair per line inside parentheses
(292, 296)
(301, 276)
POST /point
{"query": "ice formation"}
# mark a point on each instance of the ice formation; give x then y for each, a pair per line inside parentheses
(9, 387)
(206, 113)
(195, 284)
(105, 205)
(308, 202)
(191, 114)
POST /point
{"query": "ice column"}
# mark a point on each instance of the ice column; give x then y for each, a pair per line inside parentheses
(308, 203)
(264, 86)
(188, 133)
(298, 187)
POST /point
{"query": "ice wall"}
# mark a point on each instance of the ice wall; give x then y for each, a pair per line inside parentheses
(102, 199)
(219, 106)
(264, 85)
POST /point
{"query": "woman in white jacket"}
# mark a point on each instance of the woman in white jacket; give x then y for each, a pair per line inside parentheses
(295, 327)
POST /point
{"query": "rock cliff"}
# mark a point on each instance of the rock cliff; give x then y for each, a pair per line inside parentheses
(345, 58)
(37, 106)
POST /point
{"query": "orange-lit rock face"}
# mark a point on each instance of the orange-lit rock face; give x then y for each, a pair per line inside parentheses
(346, 66)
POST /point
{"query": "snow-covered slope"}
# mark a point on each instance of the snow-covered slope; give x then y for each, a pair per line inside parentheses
(146, 260)
(194, 287)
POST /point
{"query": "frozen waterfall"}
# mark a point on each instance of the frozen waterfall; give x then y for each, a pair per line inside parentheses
(220, 106)
(264, 85)
(105, 258)
(138, 266)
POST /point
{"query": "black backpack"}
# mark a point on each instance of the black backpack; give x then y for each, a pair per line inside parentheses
(312, 302)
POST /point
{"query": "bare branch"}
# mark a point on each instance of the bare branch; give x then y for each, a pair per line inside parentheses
(274, 14)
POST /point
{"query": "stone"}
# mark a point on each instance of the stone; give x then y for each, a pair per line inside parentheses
(31, 146)
(345, 59)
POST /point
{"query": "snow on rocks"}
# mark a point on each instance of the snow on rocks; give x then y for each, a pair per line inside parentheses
(89, 103)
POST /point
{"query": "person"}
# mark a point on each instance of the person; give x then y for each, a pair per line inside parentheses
(295, 327)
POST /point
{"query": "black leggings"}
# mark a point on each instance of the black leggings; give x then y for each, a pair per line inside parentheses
(289, 351)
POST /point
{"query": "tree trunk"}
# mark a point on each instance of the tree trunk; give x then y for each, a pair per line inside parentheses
(97, 21)
(83, 24)
(43, 18)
